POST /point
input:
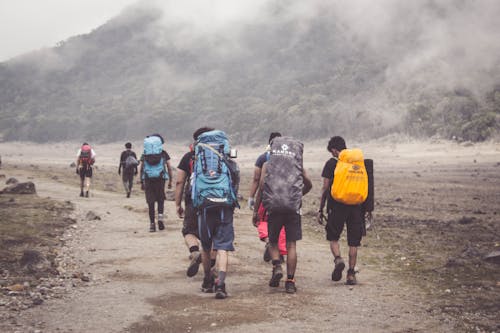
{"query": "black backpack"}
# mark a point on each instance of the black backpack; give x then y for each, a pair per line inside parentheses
(283, 181)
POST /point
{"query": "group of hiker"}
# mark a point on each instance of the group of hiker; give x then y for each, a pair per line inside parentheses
(207, 179)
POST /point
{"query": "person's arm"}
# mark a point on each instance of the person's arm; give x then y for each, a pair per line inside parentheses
(258, 197)
(180, 181)
(121, 163)
(255, 185)
(307, 183)
(170, 175)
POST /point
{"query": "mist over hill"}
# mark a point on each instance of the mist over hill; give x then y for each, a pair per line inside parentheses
(309, 69)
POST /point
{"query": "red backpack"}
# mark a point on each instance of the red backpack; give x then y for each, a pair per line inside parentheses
(86, 155)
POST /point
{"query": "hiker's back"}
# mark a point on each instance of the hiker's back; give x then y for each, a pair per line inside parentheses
(350, 181)
(153, 167)
(283, 182)
(211, 181)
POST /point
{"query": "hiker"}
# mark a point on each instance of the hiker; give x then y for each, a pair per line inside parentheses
(155, 170)
(283, 182)
(188, 213)
(348, 212)
(85, 158)
(262, 225)
(129, 163)
(215, 180)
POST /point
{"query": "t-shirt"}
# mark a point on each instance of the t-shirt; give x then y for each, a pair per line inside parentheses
(185, 165)
(261, 160)
(123, 157)
(327, 172)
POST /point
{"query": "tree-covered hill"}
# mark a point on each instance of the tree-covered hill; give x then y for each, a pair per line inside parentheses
(310, 74)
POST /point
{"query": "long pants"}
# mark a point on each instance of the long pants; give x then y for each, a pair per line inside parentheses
(151, 207)
(128, 181)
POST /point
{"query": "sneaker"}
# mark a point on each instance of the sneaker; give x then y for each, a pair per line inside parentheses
(128, 194)
(208, 284)
(87, 194)
(194, 266)
(220, 291)
(290, 286)
(337, 271)
(351, 277)
(161, 226)
(152, 227)
(276, 277)
(267, 255)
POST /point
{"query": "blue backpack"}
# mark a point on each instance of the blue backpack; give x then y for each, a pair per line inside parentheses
(211, 180)
(153, 160)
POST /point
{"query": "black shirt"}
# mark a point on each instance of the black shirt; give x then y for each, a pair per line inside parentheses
(186, 165)
(327, 172)
(123, 157)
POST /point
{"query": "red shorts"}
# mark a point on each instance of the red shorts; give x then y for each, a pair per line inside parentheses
(263, 233)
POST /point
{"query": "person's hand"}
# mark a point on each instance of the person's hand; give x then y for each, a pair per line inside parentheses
(77, 171)
(119, 171)
(320, 217)
(142, 186)
(251, 203)
(169, 186)
(135, 173)
(255, 219)
(180, 211)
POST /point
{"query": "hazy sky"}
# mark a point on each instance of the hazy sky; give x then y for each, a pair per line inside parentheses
(26, 25)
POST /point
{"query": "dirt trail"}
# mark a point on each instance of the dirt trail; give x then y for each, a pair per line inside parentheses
(138, 282)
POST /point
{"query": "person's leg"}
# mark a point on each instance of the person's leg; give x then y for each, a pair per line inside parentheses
(223, 242)
(125, 182)
(190, 234)
(151, 209)
(291, 259)
(293, 233)
(161, 205)
(82, 180)
(275, 223)
(354, 235)
(87, 186)
(205, 232)
(334, 227)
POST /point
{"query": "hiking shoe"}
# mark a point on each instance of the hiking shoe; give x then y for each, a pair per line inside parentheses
(337, 271)
(267, 255)
(276, 277)
(152, 227)
(87, 194)
(128, 194)
(290, 286)
(161, 226)
(351, 277)
(220, 291)
(195, 263)
(208, 284)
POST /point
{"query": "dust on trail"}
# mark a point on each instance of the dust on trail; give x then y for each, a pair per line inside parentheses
(138, 282)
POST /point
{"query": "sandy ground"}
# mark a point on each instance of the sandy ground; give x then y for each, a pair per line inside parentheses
(138, 280)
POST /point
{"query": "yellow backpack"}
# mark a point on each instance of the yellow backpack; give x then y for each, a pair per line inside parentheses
(350, 182)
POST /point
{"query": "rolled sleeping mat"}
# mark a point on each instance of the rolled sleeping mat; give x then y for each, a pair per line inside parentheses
(369, 203)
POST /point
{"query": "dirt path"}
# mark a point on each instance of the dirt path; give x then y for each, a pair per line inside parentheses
(138, 282)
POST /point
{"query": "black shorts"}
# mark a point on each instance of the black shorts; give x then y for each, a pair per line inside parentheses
(291, 222)
(190, 223)
(85, 171)
(155, 190)
(341, 214)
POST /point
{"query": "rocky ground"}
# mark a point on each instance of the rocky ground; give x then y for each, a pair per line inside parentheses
(423, 266)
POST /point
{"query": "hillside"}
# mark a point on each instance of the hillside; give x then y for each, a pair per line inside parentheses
(307, 74)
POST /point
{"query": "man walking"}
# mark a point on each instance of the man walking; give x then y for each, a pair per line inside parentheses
(129, 163)
(340, 213)
(283, 182)
(214, 197)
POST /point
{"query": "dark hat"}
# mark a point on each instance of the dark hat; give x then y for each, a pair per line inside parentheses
(128, 145)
